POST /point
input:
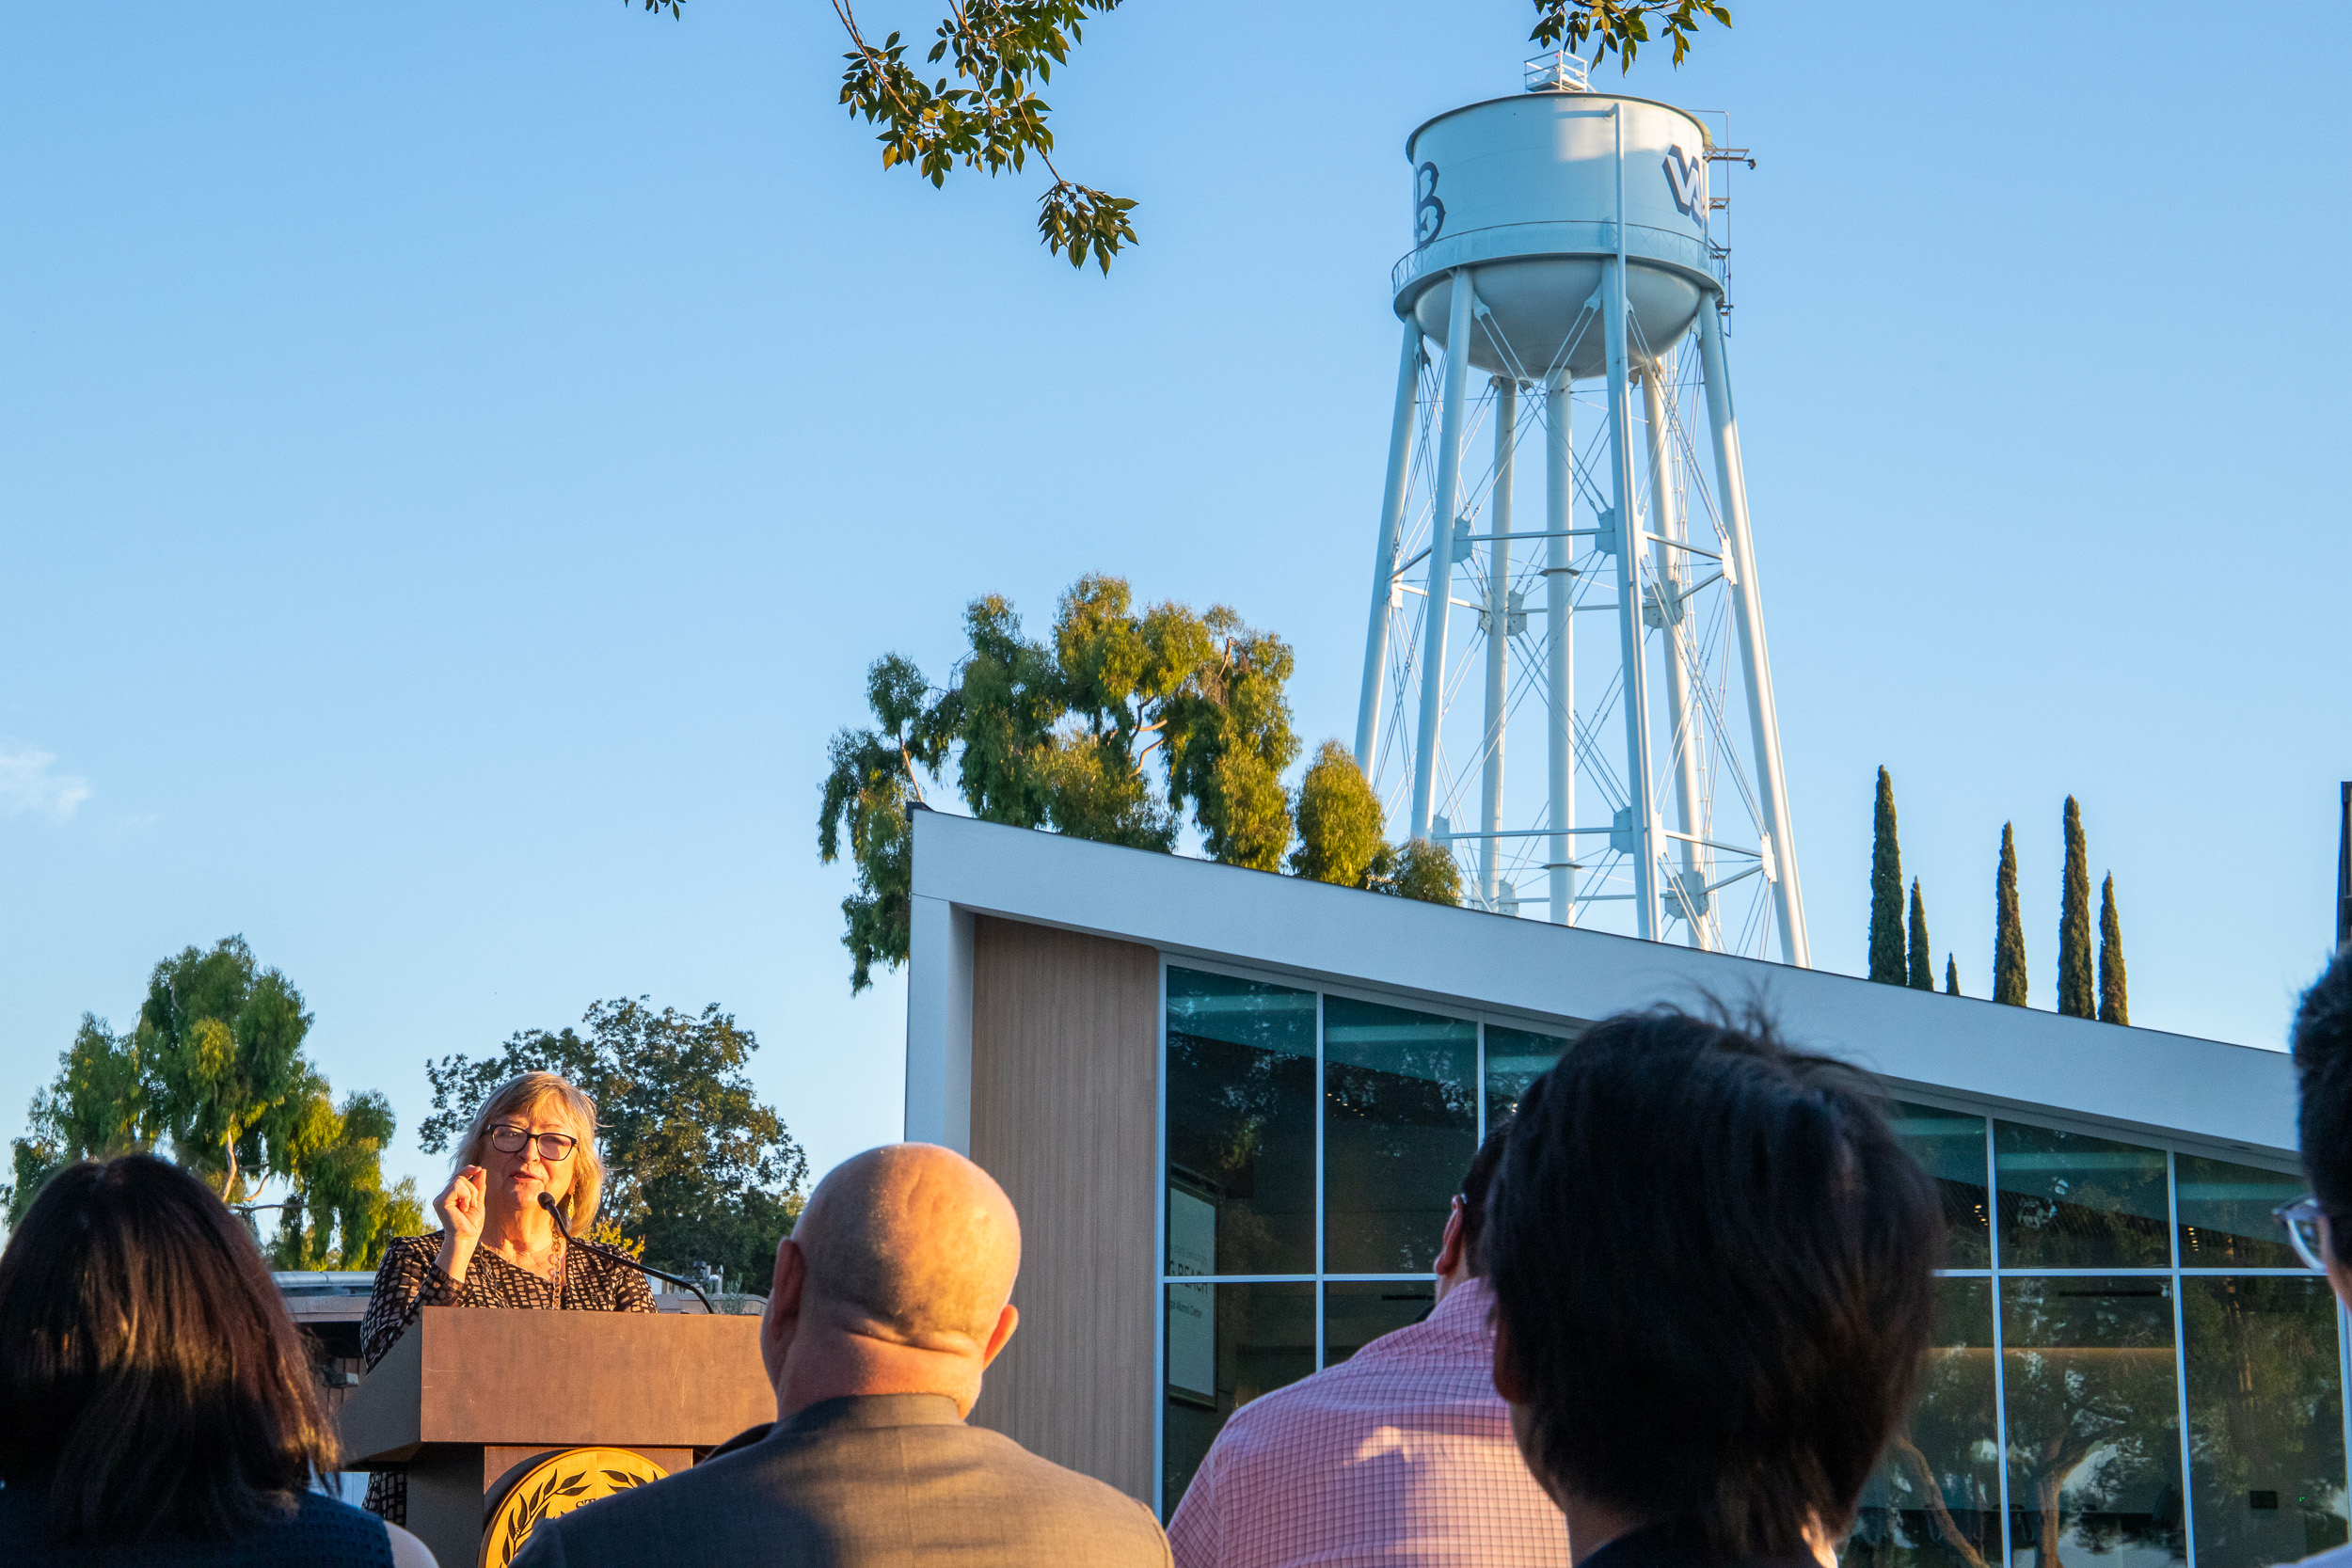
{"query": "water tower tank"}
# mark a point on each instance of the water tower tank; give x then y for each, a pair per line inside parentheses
(1532, 191)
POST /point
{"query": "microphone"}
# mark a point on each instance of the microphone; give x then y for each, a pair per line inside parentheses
(619, 1256)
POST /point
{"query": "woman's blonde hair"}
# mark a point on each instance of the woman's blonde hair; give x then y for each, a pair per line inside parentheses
(519, 1097)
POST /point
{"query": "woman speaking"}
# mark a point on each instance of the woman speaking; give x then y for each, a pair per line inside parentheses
(497, 1245)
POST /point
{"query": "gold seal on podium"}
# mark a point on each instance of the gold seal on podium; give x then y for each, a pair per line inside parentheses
(557, 1484)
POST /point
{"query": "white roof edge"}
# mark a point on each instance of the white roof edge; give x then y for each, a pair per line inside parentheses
(2232, 1095)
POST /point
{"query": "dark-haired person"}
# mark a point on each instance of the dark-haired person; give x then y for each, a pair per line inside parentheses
(1713, 1270)
(1402, 1453)
(159, 1408)
(496, 1246)
(2321, 1224)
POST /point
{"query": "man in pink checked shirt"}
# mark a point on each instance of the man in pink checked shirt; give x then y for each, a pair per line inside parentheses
(1401, 1455)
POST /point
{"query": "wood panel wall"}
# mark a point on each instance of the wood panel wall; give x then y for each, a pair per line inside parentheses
(1065, 1070)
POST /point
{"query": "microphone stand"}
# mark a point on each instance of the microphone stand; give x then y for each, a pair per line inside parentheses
(619, 1256)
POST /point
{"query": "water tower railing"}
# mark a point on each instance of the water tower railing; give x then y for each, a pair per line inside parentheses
(1506, 242)
(1559, 72)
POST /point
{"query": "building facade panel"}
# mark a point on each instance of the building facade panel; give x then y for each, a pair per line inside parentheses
(1065, 1089)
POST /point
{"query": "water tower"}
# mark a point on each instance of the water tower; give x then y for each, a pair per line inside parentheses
(1565, 250)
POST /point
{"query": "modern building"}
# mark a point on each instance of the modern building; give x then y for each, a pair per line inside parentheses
(1232, 1109)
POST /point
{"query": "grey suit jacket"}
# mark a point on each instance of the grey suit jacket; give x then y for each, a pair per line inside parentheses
(883, 1481)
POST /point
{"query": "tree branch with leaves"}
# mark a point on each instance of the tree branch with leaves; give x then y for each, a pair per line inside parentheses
(1622, 26)
(988, 116)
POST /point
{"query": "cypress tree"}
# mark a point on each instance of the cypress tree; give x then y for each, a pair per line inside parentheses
(1951, 975)
(1886, 892)
(1922, 961)
(2008, 930)
(2076, 998)
(2114, 1007)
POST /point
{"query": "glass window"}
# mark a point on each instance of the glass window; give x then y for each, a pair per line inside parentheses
(1400, 1124)
(1358, 1311)
(2073, 1201)
(1241, 1125)
(1935, 1501)
(1515, 1058)
(1227, 1344)
(2094, 1426)
(2226, 1218)
(2266, 1416)
(1950, 1144)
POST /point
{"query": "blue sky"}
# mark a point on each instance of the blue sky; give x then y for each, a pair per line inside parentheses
(455, 469)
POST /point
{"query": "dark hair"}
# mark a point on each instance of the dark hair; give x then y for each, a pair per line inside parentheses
(153, 1383)
(2322, 1042)
(1476, 1183)
(1714, 1268)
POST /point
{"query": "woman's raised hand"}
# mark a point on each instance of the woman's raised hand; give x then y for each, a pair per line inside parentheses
(460, 1204)
(461, 1207)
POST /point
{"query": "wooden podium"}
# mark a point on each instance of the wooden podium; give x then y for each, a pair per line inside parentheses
(471, 1398)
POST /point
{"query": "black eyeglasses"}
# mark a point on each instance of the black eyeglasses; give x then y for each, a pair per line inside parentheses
(554, 1147)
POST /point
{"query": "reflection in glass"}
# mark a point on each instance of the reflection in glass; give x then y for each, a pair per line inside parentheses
(2094, 1442)
(1358, 1311)
(1950, 1145)
(2266, 1417)
(1515, 1058)
(1935, 1501)
(2226, 1218)
(2073, 1201)
(1241, 1125)
(1227, 1344)
(1400, 1124)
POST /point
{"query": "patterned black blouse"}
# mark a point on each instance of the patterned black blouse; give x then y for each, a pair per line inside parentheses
(409, 1280)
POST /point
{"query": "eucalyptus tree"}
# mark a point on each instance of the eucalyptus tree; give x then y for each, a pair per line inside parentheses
(1125, 725)
(214, 1069)
(221, 1038)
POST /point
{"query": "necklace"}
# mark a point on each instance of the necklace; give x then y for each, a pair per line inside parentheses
(545, 1263)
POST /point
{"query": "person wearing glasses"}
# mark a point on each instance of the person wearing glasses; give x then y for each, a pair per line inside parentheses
(2321, 1039)
(2320, 1222)
(496, 1246)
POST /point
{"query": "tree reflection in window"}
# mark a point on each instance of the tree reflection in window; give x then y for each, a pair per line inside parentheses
(1241, 1131)
(1950, 1146)
(1515, 1058)
(2072, 1201)
(1935, 1501)
(1400, 1095)
(2229, 1217)
(2094, 1442)
(2265, 1418)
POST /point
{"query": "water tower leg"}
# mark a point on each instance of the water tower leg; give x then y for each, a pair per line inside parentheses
(1668, 563)
(1384, 557)
(1498, 638)
(1636, 690)
(1443, 505)
(1559, 647)
(1772, 788)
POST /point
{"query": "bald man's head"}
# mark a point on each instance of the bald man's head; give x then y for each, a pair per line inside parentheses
(909, 1244)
